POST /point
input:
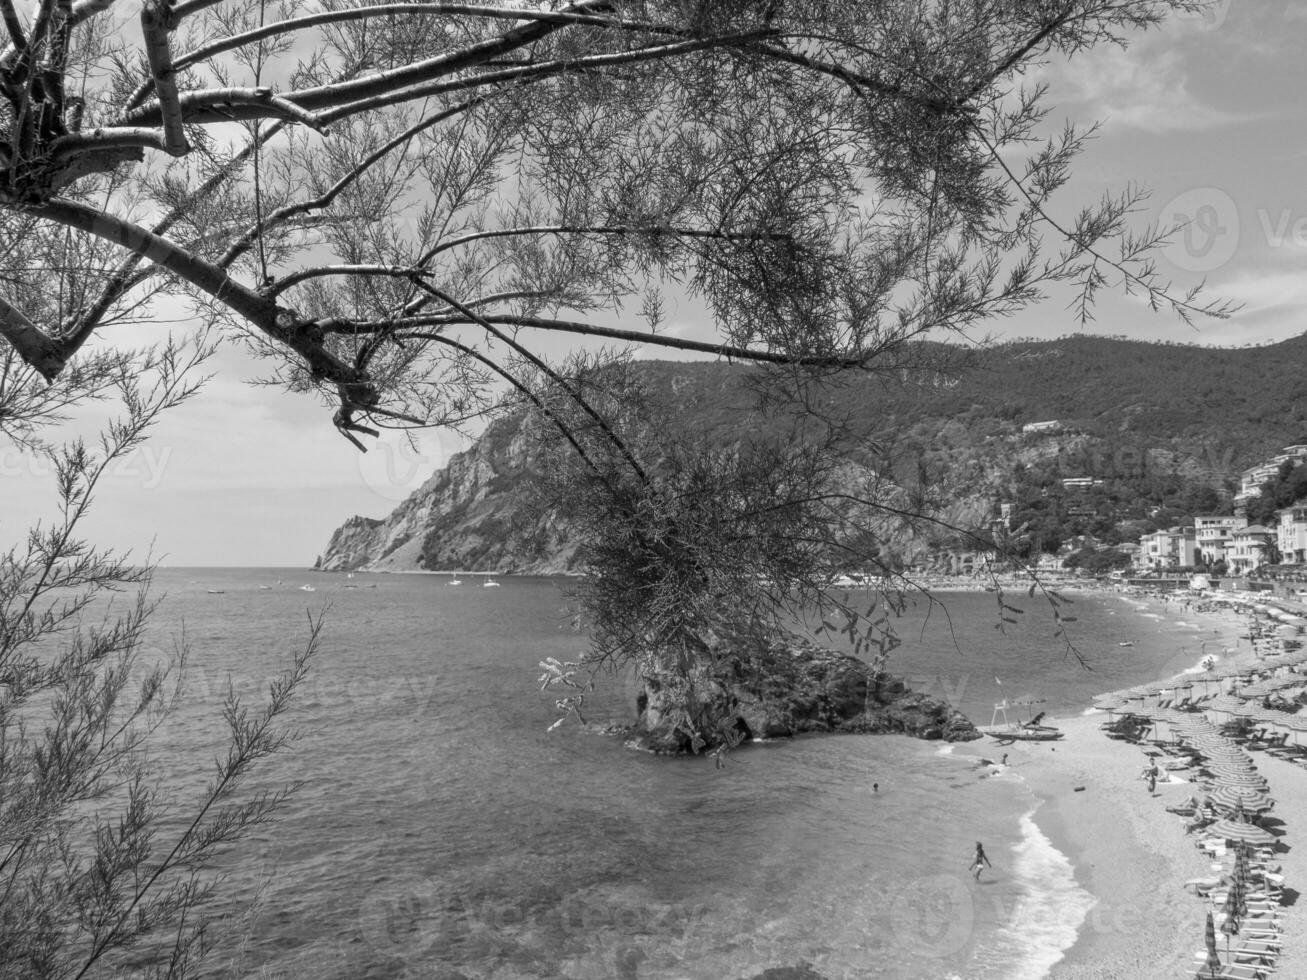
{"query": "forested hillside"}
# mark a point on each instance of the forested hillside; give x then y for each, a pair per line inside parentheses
(1164, 429)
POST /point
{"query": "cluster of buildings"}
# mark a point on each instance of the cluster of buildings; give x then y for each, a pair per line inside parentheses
(1231, 539)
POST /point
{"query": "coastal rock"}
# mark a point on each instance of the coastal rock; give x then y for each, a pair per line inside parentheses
(781, 686)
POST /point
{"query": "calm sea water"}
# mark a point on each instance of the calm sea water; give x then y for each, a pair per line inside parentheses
(439, 831)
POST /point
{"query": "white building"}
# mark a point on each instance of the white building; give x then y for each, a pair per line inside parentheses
(1292, 534)
(1251, 480)
(1213, 535)
(1172, 548)
(1247, 548)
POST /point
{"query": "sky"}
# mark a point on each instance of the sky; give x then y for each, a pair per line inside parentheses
(1206, 112)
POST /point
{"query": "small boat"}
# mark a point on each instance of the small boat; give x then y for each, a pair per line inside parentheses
(489, 584)
(1126, 643)
(1022, 731)
(455, 581)
(217, 591)
(307, 588)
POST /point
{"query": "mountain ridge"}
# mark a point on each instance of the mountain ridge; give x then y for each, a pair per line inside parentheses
(1145, 420)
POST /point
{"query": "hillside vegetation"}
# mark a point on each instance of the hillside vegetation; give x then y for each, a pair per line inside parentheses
(1165, 428)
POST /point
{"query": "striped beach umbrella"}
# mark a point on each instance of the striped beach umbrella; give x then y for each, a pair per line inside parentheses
(1235, 830)
(1241, 785)
(1240, 799)
(1234, 908)
(1213, 958)
(1235, 772)
(1225, 755)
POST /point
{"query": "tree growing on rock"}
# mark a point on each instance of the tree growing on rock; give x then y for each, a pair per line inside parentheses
(406, 208)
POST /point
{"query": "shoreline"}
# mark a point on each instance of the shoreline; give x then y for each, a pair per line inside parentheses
(1126, 851)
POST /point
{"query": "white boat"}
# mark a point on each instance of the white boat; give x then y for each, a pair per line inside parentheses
(307, 588)
(455, 581)
(489, 584)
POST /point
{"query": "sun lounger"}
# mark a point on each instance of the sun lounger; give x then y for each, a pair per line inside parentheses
(1260, 947)
(1237, 971)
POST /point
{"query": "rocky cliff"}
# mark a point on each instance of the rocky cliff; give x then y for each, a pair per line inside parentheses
(470, 515)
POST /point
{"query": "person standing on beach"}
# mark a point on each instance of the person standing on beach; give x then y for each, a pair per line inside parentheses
(979, 861)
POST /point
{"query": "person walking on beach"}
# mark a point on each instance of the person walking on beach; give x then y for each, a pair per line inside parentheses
(979, 861)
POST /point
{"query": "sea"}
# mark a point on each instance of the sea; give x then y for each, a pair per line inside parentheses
(442, 827)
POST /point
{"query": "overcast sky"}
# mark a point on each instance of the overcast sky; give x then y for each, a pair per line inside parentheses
(1206, 112)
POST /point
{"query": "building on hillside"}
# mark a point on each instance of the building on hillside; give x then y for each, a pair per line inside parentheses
(1173, 548)
(1213, 534)
(1251, 480)
(1248, 547)
(1080, 483)
(1052, 425)
(1292, 534)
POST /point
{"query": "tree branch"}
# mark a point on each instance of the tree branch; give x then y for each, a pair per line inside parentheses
(260, 311)
(421, 80)
(154, 29)
(13, 24)
(544, 368)
(630, 336)
(525, 391)
(283, 214)
(558, 18)
(32, 344)
(199, 103)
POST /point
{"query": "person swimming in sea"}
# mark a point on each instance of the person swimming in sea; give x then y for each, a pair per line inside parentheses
(979, 861)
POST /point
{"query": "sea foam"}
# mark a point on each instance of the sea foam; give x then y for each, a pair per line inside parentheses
(1047, 917)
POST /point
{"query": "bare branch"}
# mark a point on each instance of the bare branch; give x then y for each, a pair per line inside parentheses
(154, 28)
(37, 349)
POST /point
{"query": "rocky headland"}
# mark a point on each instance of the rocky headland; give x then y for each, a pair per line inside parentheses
(780, 686)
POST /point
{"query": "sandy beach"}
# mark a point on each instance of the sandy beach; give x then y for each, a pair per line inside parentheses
(1131, 854)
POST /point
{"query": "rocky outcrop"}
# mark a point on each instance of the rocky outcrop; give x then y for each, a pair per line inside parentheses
(778, 687)
(352, 544)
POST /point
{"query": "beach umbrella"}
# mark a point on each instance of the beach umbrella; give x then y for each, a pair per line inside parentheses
(1248, 768)
(1242, 780)
(1243, 800)
(1299, 726)
(1224, 756)
(1237, 830)
(1213, 958)
(1234, 909)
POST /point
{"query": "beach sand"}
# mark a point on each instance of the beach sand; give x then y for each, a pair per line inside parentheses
(1131, 854)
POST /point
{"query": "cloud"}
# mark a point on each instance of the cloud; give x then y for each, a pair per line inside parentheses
(1146, 86)
(1260, 292)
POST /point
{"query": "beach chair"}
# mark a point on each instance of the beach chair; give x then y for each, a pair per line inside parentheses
(1265, 948)
(1243, 971)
